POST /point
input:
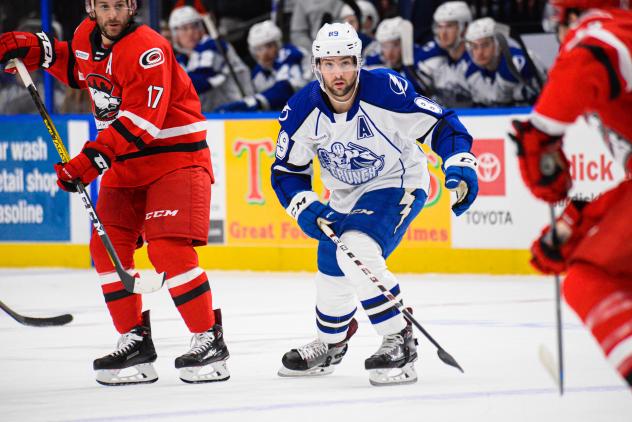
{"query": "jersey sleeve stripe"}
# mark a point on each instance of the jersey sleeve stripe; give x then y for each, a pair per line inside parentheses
(184, 147)
(600, 55)
(129, 136)
(157, 133)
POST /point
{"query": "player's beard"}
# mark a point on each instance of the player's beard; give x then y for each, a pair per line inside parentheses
(113, 34)
(343, 92)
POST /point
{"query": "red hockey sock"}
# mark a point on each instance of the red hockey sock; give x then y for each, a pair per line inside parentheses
(604, 303)
(187, 283)
(125, 307)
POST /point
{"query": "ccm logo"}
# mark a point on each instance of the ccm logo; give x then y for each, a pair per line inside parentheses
(161, 213)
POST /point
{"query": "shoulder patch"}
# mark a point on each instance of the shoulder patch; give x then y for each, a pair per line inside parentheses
(151, 58)
(82, 55)
(285, 113)
(398, 84)
(426, 104)
(282, 145)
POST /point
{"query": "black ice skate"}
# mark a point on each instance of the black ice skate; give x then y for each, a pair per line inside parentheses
(206, 361)
(393, 363)
(316, 358)
(131, 362)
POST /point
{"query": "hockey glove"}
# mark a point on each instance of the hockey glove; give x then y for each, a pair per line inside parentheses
(307, 209)
(247, 104)
(35, 50)
(460, 168)
(543, 165)
(551, 257)
(94, 159)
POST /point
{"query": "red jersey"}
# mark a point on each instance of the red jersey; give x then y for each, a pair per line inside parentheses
(593, 75)
(144, 104)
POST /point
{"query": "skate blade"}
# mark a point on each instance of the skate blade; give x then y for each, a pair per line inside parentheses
(313, 372)
(214, 372)
(138, 374)
(393, 376)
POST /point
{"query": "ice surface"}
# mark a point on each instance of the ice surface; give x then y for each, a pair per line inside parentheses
(492, 325)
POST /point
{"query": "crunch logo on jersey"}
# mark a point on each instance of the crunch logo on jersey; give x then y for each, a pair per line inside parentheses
(353, 164)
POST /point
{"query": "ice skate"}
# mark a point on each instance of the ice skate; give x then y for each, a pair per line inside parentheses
(131, 362)
(316, 358)
(206, 361)
(393, 363)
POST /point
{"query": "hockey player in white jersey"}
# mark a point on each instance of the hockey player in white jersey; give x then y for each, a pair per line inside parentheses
(363, 127)
(280, 70)
(499, 74)
(445, 59)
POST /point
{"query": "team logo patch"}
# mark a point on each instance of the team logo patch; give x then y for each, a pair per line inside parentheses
(282, 145)
(284, 113)
(82, 55)
(105, 105)
(426, 104)
(151, 58)
(398, 84)
(352, 164)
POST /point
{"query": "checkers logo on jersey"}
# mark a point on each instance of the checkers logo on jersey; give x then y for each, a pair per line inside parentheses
(151, 58)
(106, 105)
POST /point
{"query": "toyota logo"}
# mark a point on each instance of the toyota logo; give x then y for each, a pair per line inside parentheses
(488, 167)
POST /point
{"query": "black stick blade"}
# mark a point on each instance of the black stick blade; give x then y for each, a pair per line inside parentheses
(36, 322)
(448, 359)
(46, 322)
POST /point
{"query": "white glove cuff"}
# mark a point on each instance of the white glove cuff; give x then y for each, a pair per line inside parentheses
(462, 159)
(301, 201)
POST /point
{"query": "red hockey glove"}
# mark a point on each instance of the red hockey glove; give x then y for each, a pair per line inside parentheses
(35, 50)
(94, 159)
(570, 230)
(543, 165)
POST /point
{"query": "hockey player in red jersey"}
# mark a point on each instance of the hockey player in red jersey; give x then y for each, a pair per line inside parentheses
(592, 75)
(157, 176)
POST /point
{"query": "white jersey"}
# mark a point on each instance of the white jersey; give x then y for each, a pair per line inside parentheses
(503, 86)
(372, 146)
(445, 75)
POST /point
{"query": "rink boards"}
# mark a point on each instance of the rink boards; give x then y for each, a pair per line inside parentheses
(42, 226)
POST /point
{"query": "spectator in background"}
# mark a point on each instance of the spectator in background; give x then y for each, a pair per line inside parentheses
(396, 42)
(308, 17)
(500, 74)
(366, 29)
(280, 71)
(446, 59)
(206, 66)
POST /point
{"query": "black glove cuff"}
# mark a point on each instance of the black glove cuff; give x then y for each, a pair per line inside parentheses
(99, 160)
(47, 50)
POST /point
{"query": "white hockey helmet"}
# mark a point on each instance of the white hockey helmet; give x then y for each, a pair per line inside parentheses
(263, 33)
(453, 11)
(90, 7)
(389, 30)
(367, 9)
(336, 40)
(481, 28)
(184, 15)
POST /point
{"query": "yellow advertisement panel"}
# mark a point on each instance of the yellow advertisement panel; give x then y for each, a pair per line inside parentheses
(255, 217)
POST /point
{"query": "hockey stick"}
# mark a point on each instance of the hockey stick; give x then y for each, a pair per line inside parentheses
(214, 33)
(131, 283)
(36, 322)
(558, 309)
(443, 355)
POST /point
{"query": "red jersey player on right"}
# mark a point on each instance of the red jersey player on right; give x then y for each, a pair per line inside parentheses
(592, 75)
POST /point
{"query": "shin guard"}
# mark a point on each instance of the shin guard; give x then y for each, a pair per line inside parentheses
(125, 307)
(604, 303)
(187, 283)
